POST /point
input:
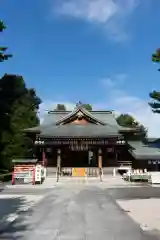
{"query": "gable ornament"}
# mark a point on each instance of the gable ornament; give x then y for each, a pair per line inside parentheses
(79, 114)
(79, 104)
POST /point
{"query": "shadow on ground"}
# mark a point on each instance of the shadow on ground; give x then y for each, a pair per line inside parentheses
(9, 208)
(2, 186)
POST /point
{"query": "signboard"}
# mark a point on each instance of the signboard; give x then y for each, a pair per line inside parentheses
(23, 175)
(80, 147)
(23, 172)
(78, 172)
(23, 168)
(29, 173)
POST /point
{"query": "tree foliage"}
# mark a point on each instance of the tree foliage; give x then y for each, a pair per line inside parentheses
(155, 104)
(87, 106)
(156, 56)
(127, 120)
(155, 95)
(19, 107)
(60, 107)
(3, 55)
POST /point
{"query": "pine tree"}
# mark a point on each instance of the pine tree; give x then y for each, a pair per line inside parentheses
(156, 56)
(60, 107)
(87, 106)
(19, 107)
(3, 55)
(127, 120)
(155, 104)
(155, 95)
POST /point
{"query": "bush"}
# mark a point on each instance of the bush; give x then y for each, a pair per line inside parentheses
(3, 171)
(5, 177)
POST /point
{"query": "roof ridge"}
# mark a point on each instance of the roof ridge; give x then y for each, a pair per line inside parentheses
(57, 111)
(75, 111)
(92, 111)
(102, 111)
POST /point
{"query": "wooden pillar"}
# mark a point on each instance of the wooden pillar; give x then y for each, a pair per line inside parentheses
(44, 160)
(116, 155)
(58, 163)
(100, 163)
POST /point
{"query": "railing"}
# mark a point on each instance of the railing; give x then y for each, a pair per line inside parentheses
(125, 163)
(90, 172)
(66, 172)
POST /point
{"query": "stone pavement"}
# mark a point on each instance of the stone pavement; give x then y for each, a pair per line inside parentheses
(109, 181)
(48, 183)
(76, 212)
(12, 205)
(143, 211)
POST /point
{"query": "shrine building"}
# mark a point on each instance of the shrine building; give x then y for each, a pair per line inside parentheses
(90, 140)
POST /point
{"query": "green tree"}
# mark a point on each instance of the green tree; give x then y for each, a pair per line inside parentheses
(87, 106)
(3, 55)
(19, 107)
(155, 104)
(155, 95)
(156, 56)
(60, 107)
(127, 120)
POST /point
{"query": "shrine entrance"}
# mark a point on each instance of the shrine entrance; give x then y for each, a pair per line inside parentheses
(78, 159)
(79, 156)
(74, 158)
(79, 163)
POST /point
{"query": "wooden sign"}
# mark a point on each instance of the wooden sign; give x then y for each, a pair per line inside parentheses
(23, 168)
(24, 172)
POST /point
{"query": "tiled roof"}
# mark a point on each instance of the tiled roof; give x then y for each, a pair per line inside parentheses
(77, 130)
(103, 118)
(54, 116)
(152, 140)
(142, 151)
(24, 160)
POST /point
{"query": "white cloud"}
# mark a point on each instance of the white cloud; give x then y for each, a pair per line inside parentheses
(112, 15)
(120, 101)
(114, 81)
(139, 109)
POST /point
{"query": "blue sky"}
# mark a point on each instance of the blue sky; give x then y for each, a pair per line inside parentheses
(96, 51)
